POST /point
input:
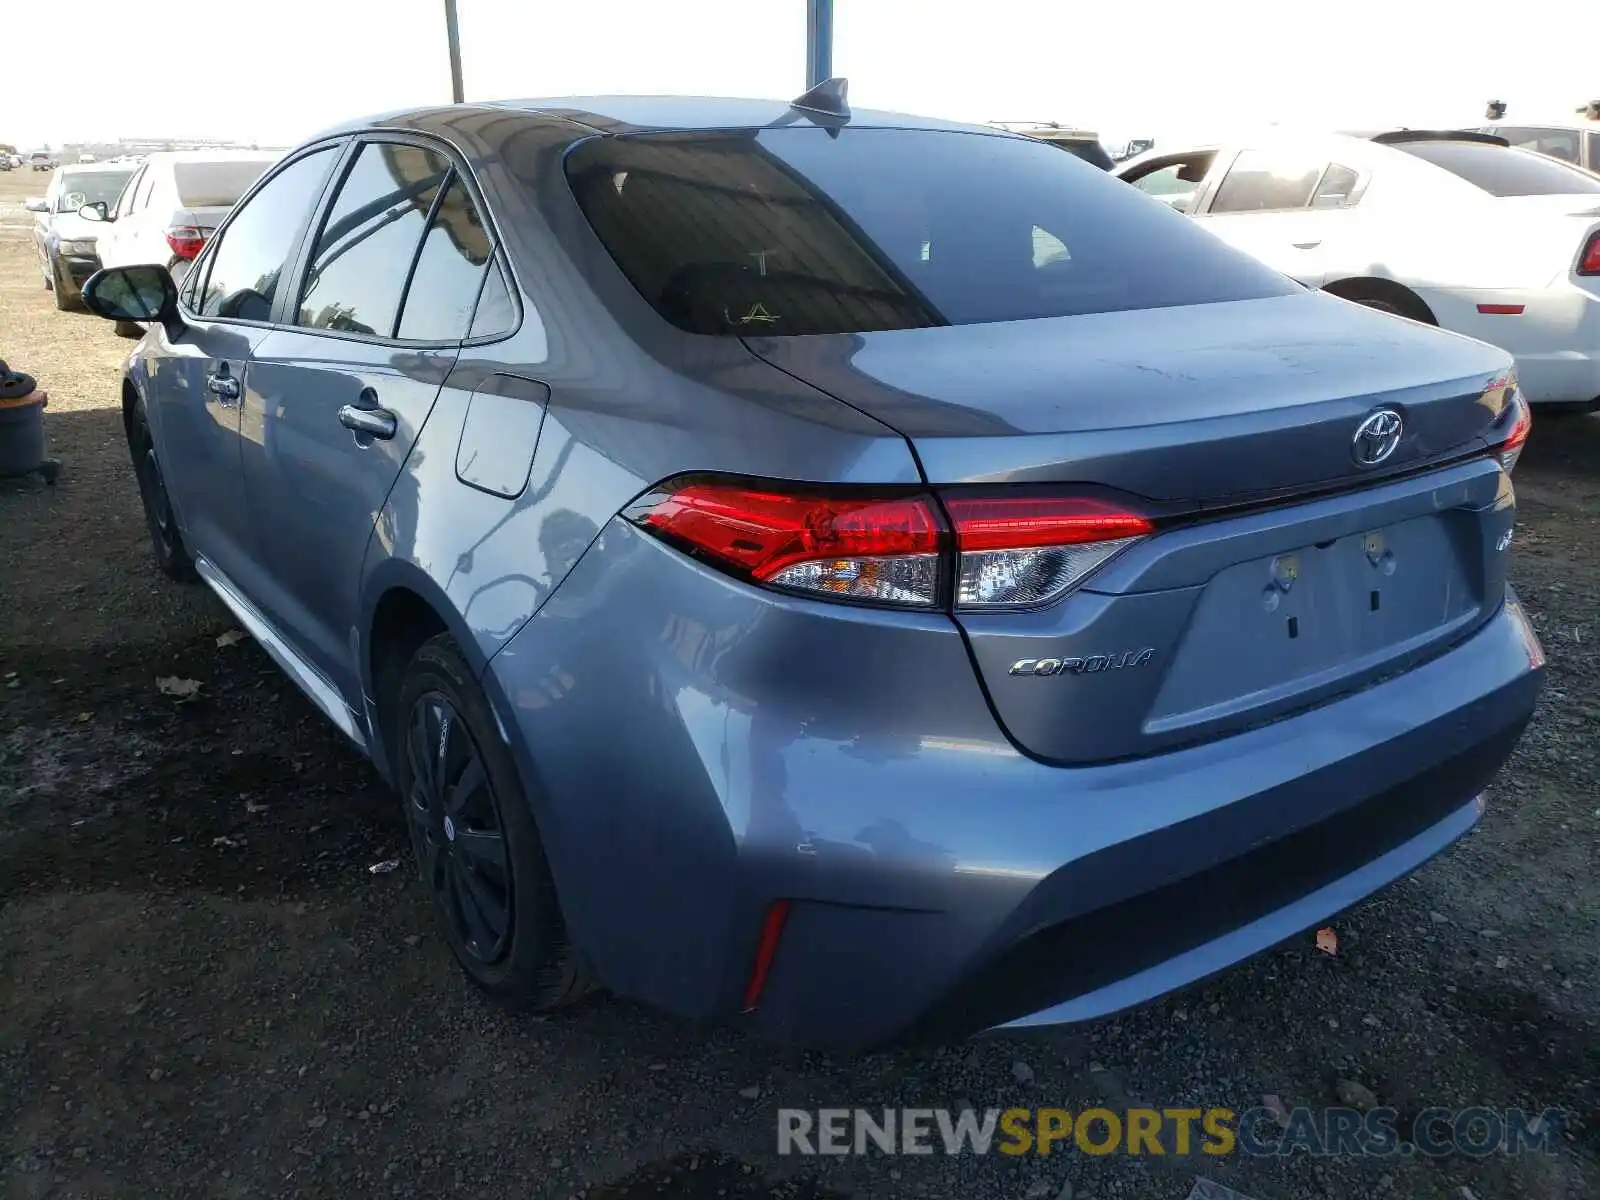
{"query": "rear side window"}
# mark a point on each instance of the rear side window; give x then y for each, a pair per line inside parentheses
(795, 231)
(1501, 171)
(496, 314)
(449, 272)
(1337, 186)
(248, 262)
(369, 239)
(1261, 180)
(214, 184)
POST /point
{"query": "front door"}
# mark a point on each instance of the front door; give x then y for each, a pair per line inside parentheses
(197, 383)
(335, 404)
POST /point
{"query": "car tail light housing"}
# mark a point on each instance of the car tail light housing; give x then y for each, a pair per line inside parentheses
(186, 240)
(881, 549)
(979, 552)
(1023, 551)
(1589, 260)
(1514, 425)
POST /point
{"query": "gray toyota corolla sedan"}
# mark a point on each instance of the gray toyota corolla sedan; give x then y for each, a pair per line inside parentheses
(864, 575)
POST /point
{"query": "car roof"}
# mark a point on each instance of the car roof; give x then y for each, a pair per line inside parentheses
(92, 168)
(636, 114)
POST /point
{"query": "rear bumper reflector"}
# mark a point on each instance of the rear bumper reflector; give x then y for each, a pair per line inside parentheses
(1501, 310)
(766, 950)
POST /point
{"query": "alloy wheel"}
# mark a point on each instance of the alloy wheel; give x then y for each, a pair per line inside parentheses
(456, 829)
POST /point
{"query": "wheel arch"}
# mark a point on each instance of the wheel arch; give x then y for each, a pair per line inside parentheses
(403, 608)
(1359, 287)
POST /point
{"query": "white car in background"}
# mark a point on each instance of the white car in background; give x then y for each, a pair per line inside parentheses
(1574, 139)
(171, 204)
(1455, 229)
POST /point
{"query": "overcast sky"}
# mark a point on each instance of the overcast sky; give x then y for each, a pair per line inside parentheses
(277, 70)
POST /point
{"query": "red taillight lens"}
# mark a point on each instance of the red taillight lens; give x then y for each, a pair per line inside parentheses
(1023, 551)
(1011, 551)
(186, 240)
(1521, 425)
(853, 548)
(1589, 260)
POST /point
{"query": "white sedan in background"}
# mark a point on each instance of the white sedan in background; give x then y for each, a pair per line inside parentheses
(1458, 230)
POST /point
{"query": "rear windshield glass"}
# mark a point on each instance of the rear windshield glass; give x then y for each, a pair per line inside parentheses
(1501, 171)
(90, 187)
(794, 231)
(215, 184)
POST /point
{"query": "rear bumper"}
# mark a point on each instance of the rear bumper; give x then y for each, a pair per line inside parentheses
(1555, 338)
(702, 752)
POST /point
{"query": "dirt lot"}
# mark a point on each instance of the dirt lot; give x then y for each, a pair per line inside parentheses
(207, 993)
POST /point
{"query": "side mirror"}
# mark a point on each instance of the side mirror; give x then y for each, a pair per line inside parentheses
(143, 293)
(94, 212)
(36, 204)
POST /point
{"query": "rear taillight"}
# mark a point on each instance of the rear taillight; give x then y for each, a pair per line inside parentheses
(877, 549)
(1001, 551)
(1517, 423)
(1021, 551)
(186, 240)
(1589, 260)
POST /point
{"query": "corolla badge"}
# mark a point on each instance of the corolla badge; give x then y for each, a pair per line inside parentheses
(1092, 665)
(1377, 437)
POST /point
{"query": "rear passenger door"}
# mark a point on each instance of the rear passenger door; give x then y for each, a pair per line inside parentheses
(1283, 208)
(339, 391)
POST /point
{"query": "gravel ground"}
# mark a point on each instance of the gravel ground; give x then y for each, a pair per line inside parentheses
(207, 993)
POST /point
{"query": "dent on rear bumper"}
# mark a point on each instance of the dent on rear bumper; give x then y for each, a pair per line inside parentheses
(695, 749)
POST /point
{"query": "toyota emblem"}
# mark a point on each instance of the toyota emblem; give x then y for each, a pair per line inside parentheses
(1377, 437)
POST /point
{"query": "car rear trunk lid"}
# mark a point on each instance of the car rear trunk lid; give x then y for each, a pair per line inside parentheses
(1282, 572)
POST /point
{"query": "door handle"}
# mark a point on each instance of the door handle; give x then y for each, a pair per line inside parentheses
(1307, 245)
(223, 386)
(374, 422)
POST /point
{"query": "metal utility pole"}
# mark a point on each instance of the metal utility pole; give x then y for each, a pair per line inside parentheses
(453, 36)
(819, 41)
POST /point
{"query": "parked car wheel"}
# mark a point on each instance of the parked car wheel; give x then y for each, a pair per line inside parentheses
(129, 329)
(166, 540)
(65, 300)
(477, 850)
(1384, 296)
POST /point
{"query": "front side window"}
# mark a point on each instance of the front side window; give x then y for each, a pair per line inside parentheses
(125, 197)
(1263, 181)
(794, 231)
(248, 263)
(1176, 183)
(1502, 171)
(449, 273)
(369, 239)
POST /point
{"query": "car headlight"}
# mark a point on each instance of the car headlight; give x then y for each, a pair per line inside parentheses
(81, 246)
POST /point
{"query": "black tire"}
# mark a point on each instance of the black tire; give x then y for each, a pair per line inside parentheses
(66, 301)
(1385, 297)
(166, 540)
(129, 329)
(477, 850)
